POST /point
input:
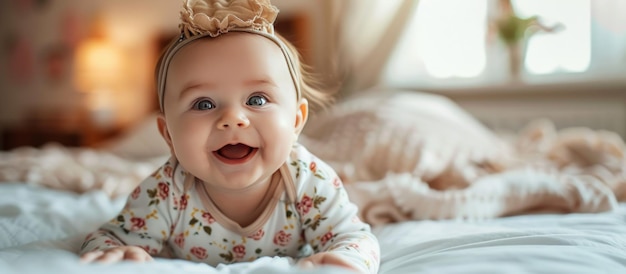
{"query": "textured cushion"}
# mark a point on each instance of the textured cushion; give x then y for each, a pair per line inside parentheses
(427, 135)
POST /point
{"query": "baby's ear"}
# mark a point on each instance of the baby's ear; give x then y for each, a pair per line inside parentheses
(302, 114)
(162, 125)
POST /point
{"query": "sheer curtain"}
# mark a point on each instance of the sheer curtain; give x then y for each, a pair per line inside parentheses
(363, 35)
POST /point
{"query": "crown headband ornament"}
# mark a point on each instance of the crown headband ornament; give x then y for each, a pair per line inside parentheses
(212, 18)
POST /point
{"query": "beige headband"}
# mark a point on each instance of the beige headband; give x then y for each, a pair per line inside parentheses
(212, 18)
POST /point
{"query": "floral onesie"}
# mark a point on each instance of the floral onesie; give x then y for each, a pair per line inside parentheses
(170, 213)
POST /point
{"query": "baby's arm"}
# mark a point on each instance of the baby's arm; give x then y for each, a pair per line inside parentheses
(141, 228)
(332, 227)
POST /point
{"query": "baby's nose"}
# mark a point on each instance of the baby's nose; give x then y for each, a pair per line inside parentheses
(233, 119)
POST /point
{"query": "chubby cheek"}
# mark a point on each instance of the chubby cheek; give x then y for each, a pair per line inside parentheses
(279, 138)
(283, 128)
(188, 138)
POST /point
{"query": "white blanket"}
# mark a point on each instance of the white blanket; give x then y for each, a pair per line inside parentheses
(571, 243)
(41, 229)
(31, 213)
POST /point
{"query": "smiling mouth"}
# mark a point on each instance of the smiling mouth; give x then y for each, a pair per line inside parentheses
(235, 154)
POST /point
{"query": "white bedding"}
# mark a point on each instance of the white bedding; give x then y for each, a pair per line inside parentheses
(41, 229)
(571, 243)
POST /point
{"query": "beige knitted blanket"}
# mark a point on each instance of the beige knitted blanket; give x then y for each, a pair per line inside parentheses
(75, 169)
(417, 156)
(406, 156)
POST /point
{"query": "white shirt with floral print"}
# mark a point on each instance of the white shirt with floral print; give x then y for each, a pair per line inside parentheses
(170, 213)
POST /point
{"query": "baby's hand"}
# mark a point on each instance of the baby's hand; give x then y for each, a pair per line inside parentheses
(116, 254)
(326, 258)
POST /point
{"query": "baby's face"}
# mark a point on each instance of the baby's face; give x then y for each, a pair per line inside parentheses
(230, 109)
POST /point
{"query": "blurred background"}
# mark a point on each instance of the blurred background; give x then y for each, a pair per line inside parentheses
(81, 72)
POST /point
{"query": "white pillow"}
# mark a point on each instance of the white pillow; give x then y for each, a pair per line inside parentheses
(141, 142)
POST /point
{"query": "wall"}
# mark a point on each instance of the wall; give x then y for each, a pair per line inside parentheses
(40, 35)
(39, 38)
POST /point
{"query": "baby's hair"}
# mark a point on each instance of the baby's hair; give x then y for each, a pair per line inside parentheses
(312, 88)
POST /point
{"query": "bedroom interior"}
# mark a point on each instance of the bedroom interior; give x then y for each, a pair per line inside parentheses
(476, 136)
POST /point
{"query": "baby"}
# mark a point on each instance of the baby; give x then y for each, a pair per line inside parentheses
(238, 186)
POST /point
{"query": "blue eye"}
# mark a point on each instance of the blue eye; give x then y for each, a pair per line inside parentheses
(256, 100)
(203, 105)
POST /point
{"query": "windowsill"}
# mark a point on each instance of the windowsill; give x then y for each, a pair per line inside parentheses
(598, 103)
(564, 85)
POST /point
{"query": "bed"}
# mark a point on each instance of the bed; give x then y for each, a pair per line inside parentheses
(443, 193)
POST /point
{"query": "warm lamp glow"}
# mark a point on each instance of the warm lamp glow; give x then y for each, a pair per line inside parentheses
(99, 66)
(100, 73)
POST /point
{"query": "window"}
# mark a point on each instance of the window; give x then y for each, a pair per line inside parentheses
(447, 43)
